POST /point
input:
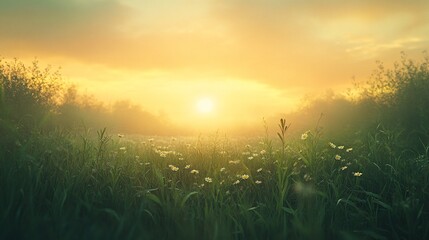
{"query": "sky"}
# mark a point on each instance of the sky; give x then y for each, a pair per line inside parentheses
(249, 59)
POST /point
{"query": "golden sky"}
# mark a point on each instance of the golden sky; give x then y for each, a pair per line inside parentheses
(251, 58)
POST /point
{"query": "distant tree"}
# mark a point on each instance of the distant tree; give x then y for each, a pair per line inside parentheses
(28, 93)
(402, 96)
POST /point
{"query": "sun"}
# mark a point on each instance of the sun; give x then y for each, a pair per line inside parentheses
(205, 105)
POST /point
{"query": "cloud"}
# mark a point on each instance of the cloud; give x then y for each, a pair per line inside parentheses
(312, 40)
(59, 27)
(280, 43)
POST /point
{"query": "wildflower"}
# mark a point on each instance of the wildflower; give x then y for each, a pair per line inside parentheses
(337, 157)
(304, 136)
(349, 149)
(222, 152)
(259, 170)
(187, 166)
(234, 162)
(357, 174)
(343, 168)
(121, 135)
(208, 179)
(250, 158)
(244, 176)
(332, 145)
(122, 148)
(194, 171)
(180, 159)
(173, 168)
(263, 152)
(258, 182)
(222, 169)
(137, 157)
(236, 182)
(340, 147)
(150, 140)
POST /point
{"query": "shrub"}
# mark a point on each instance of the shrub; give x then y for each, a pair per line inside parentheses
(28, 93)
(402, 96)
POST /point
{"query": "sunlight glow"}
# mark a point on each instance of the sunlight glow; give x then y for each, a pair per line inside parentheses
(205, 105)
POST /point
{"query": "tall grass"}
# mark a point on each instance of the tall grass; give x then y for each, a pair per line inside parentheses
(95, 185)
(370, 181)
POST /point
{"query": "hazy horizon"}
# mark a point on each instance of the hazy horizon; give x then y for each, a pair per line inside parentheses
(212, 64)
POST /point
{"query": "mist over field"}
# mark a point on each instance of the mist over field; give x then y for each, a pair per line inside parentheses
(341, 167)
(123, 119)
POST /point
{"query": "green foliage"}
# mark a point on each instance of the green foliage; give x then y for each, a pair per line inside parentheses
(94, 185)
(359, 177)
(402, 97)
(28, 92)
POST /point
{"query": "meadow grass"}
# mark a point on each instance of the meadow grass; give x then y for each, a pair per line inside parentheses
(94, 185)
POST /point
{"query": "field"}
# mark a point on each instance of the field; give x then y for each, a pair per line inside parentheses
(91, 185)
(369, 181)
